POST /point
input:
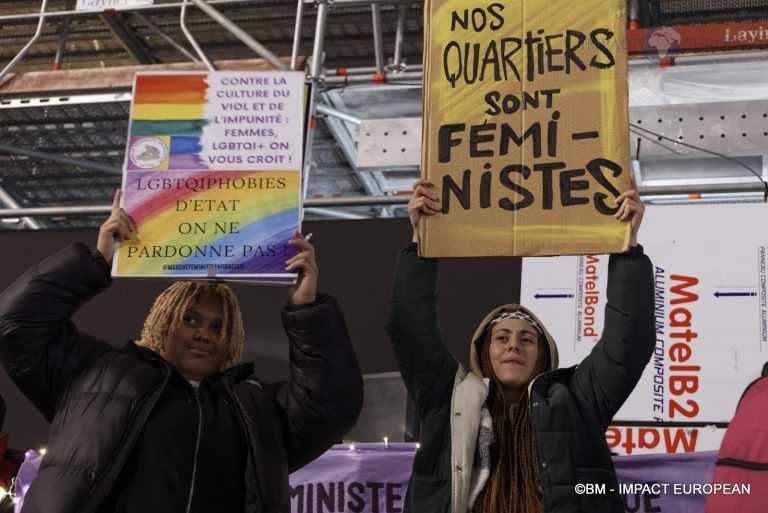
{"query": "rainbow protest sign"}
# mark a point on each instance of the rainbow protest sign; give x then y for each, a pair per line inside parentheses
(212, 175)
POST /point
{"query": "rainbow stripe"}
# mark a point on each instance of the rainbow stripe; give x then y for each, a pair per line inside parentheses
(182, 221)
(173, 107)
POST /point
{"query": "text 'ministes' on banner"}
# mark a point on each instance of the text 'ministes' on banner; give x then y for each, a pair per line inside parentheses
(525, 131)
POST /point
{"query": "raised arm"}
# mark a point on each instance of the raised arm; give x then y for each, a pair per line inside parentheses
(40, 346)
(325, 394)
(609, 374)
(427, 368)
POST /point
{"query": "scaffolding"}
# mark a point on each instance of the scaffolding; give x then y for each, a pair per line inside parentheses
(371, 114)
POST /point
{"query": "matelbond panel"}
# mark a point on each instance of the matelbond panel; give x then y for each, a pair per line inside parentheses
(710, 272)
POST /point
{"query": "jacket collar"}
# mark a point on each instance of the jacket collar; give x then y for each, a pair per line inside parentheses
(232, 374)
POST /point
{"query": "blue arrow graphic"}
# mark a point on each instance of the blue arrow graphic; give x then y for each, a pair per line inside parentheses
(552, 296)
(735, 294)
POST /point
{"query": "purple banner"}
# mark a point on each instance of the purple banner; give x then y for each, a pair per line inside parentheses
(665, 483)
(373, 478)
(355, 478)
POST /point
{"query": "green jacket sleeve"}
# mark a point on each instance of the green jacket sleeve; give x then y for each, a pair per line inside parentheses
(607, 376)
(427, 368)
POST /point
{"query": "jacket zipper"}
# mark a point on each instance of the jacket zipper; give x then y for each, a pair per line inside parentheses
(197, 448)
(540, 466)
(249, 442)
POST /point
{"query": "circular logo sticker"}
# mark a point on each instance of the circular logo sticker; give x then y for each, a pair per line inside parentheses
(148, 153)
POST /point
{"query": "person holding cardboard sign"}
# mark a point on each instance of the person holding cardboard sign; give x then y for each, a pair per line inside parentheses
(175, 421)
(515, 433)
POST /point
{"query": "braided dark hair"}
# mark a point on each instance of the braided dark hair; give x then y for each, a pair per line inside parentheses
(513, 484)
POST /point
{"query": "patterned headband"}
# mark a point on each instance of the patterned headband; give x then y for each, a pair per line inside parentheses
(517, 314)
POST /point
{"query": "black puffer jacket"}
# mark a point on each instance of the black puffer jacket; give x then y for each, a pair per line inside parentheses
(98, 397)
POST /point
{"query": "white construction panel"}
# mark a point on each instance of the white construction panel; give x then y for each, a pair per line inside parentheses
(393, 142)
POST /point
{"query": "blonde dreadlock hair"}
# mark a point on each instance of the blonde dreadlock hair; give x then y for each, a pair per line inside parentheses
(513, 484)
(169, 307)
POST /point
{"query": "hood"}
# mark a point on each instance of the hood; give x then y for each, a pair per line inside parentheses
(474, 354)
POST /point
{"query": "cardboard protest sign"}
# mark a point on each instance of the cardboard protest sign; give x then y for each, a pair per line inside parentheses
(213, 174)
(525, 127)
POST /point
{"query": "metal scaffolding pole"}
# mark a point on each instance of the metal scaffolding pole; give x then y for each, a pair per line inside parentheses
(242, 35)
(59, 57)
(315, 76)
(63, 32)
(634, 14)
(378, 78)
(397, 64)
(344, 116)
(191, 38)
(368, 74)
(366, 70)
(39, 155)
(168, 39)
(333, 214)
(127, 40)
(713, 188)
(297, 35)
(67, 13)
(709, 58)
(6, 213)
(378, 38)
(9, 202)
(29, 45)
(366, 2)
(318, 47)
